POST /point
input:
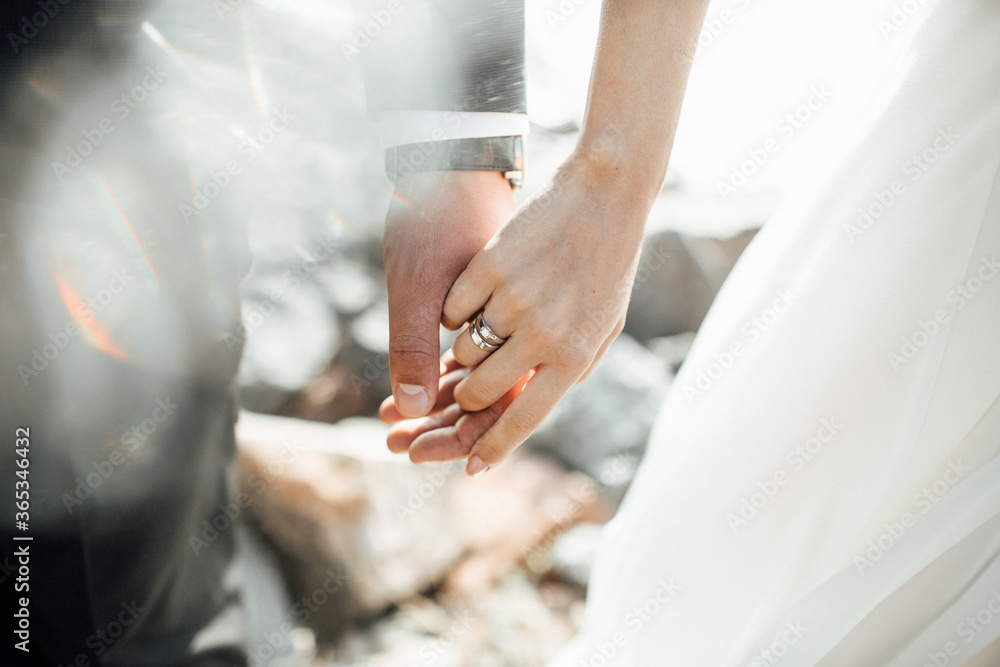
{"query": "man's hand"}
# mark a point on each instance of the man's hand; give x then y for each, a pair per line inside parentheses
(440, 221)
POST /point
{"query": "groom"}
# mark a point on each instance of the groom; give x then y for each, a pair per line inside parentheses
(445, 80)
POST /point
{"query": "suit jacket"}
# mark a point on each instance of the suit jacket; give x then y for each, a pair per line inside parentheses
(442, 55)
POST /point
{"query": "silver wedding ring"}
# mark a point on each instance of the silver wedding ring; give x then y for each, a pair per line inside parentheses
(483, 336)
(487, 333)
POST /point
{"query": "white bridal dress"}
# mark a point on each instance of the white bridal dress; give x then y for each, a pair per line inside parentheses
(822, 486)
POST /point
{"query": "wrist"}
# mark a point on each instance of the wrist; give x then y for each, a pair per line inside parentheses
(463, 204)
(620, 183)
(609, 161)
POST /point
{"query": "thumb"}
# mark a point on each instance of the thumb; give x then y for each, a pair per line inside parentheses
(414, 347)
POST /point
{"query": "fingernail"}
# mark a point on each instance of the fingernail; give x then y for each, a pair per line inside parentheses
(476, 466)
(411, 400)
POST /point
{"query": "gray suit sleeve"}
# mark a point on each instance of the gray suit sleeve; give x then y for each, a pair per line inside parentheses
(442, 55)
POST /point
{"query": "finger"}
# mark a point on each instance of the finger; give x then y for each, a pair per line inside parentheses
(521, 418)
(491, 379)
(414, 346)
(455, 442)
(402, 435)
(468, 352)
(449, 444)
(438, 445)
(390, 414)
(469, 292)
(449, 363)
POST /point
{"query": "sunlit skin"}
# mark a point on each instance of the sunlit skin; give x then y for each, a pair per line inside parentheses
(555, 279)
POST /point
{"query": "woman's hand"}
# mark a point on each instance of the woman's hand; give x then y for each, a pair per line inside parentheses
(555, 282)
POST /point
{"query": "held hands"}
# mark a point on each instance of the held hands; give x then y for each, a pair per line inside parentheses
(444, 219)
(554, 282)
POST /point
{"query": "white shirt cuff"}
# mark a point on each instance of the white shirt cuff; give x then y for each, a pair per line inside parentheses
(411, 127)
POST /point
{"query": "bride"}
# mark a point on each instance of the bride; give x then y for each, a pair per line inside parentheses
(833, 497)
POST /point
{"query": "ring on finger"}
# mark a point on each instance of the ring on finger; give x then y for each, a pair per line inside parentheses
(485, 332)
(483, 336)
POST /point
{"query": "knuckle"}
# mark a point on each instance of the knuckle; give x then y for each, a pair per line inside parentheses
(412, 350)
(474, 396)
(490, 453)
(514, 305)
(523, 422)
(486, 267)
(448, 317)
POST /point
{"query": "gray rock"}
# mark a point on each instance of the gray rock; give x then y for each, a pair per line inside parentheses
(360, 532)
(572, 553)
(672, 292)
(291, 335)
(601, 425)
(677, 280)
(672, 349)
(350, 285)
